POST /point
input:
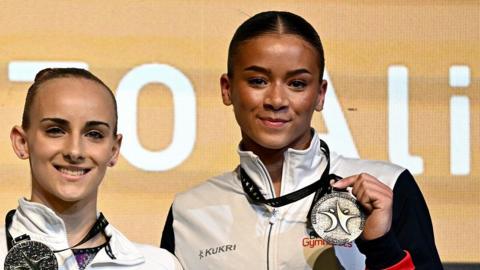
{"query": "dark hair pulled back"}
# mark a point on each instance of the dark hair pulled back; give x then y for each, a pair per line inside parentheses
(275, 22)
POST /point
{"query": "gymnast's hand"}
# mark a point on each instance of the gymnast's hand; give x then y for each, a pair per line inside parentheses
(376, 199)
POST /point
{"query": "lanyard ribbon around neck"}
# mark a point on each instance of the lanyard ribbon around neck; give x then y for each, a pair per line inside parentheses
(100, 224)
(321, 186)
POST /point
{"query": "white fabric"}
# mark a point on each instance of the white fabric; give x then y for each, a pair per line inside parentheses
(217, 214)
(43, 225)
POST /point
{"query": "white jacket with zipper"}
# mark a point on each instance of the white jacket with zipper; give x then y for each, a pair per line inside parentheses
(43, 225)
(216, 226)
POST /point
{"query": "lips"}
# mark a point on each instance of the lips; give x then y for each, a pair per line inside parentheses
(72, 171)
(274, 122)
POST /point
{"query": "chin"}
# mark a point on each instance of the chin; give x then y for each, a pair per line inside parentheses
(71, 196)
(273, 143)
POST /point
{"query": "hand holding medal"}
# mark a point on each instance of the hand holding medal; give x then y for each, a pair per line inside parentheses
(376, 199)
(337, 217)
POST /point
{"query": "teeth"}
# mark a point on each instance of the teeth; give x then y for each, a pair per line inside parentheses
(73, 172)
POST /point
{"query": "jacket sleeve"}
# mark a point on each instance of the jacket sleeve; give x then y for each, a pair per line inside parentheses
(168, 236)
(411, 237)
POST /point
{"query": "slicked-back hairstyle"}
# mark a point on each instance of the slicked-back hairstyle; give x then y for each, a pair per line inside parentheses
(54, 73)
(275, 22)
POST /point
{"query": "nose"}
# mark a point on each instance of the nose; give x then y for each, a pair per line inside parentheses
(276, 98)
(74, 150)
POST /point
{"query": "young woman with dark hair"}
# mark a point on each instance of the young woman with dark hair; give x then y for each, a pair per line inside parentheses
(283, 205)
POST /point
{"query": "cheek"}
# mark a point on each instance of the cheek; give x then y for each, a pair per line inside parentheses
(43, 151)
(101, 154)
(244, 106)
(247, 98)
(305, 105)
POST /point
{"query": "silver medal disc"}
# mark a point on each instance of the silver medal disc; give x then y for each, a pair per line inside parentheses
(338, 218)
(30, 255)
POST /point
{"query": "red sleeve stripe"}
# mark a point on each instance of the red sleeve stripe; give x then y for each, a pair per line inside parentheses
(405, 264)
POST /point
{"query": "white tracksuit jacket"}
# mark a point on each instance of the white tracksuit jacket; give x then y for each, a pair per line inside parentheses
(43, 225)
(216, 226)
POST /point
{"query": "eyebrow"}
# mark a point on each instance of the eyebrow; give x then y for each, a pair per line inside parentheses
(59, 121)
(64, 122)
(298, 72)
(258, 69)
(97, 123)
(268, 71)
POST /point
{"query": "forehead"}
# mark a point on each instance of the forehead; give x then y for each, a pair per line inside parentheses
(73, 98)
(286, 49)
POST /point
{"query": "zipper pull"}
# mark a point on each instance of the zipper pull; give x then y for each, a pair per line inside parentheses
(273, 217)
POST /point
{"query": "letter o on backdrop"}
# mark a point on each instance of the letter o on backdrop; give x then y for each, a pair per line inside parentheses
(184, 123)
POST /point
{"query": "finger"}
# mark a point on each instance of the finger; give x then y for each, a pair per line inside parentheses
(364, 201)
(370, 187)
(373, 201)
(345, 182)
(371, 193)
(369, 182)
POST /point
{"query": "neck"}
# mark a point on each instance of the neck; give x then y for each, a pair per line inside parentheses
(274, 164)
(272, 158)
(273, 161)
(78, 221)
(78, 217)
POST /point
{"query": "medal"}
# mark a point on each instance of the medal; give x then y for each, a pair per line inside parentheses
(30, 255)
(24, 254)
(337, 218)
(334, 215)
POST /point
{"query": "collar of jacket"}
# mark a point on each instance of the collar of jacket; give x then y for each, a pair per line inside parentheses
(43, 225)
(300, 168)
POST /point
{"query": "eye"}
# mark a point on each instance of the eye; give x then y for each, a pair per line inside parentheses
(257, 82)
(54, 131)
(297, 85)
(95, 134)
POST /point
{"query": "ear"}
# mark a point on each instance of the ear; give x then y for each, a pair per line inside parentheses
(18, 136)
(322, 90)
(115, 150)
(225, 86)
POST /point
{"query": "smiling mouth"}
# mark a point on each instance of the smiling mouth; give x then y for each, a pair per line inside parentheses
(274, 122)
(71, 171)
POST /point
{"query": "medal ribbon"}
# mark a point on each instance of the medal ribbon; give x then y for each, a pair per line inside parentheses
(100, 224)
(321, 186)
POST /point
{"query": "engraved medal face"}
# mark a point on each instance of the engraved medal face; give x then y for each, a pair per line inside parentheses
(338, 218)
(30, 255)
